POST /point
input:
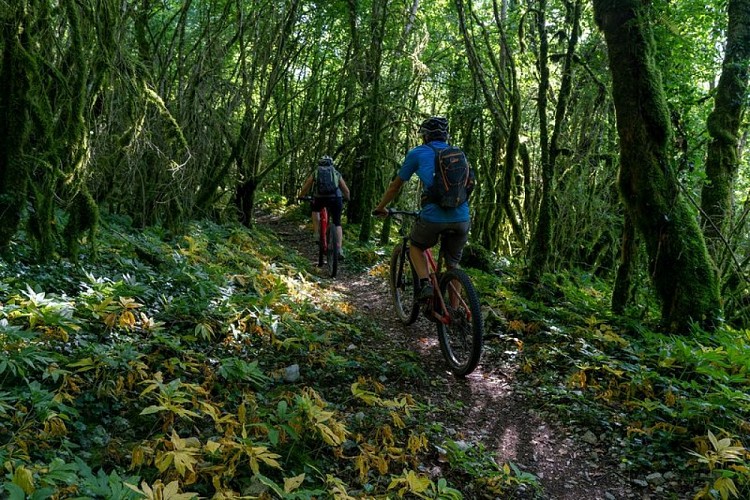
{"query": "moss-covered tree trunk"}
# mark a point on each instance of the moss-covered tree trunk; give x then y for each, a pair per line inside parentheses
(623, 288)
(539, 248)
(681, 269)
(14, 129)
(371, 122)
(48, 87)
(723, 124)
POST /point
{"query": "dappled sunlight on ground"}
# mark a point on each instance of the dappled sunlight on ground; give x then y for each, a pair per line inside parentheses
(482, 408)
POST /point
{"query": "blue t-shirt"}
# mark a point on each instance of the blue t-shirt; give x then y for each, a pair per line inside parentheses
(421, 161)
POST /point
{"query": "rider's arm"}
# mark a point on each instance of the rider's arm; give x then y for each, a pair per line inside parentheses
(390, 193)
(344, 188)
(306, 186)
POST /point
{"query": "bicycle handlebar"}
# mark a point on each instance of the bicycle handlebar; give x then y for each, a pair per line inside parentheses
(394, 211)
(311, 198)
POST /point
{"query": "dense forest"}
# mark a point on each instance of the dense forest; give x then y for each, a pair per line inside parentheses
(142, 140)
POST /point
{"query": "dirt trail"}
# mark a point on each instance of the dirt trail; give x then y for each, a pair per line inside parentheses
(483, 407)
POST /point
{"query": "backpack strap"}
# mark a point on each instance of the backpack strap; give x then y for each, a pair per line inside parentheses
(437, 162)
(428, 195)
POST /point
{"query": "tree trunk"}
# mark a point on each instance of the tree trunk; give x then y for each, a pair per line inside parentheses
(371, 121)
(539, 248)
(681, 269)
(245, 201)
(14, 129)
(623, 288)
(723, 125)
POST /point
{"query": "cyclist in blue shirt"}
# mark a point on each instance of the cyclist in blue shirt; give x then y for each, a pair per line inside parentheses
(450, 226)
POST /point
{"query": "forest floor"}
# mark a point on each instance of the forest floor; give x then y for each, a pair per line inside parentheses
(484, 408)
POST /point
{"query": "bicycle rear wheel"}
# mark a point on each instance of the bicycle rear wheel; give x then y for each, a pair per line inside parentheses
(333, 254)
(321, 248)
(461, 338)
(403, 281)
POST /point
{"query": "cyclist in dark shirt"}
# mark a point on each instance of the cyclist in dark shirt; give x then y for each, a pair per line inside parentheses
(333, 203)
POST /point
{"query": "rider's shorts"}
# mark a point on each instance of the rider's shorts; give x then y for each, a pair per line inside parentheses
(334, 205)
(452, 235)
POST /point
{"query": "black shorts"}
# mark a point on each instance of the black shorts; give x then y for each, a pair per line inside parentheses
(452, 235)
(333, 204)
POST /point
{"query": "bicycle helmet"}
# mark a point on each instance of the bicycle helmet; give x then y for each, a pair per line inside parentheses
(325, 161)
(434, 128)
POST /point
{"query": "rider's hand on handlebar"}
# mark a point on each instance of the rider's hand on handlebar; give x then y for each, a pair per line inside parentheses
(380, 212)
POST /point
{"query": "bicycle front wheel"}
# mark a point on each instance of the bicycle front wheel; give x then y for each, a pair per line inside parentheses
(461, 336)
(403, 281)
(332, 257)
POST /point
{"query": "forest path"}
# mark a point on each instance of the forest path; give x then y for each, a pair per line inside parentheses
(482, 408)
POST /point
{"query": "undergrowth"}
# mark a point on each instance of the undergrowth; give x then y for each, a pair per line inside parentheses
(666, 406)
(214, 363)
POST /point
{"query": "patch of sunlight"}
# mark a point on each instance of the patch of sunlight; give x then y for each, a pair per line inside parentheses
(380, 270)
(509, 443)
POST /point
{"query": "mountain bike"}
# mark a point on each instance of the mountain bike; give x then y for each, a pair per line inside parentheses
(454, 306)
(327, 241)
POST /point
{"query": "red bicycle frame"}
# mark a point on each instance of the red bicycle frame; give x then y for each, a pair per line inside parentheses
(323, 229)
(440, 312)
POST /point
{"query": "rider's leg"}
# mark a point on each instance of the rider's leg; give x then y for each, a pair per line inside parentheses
(419, 261)
(335, 208)
(451, 247)
(315, 224)
(422, 237)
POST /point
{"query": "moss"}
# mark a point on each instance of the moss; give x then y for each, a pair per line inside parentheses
(478, 257)
(681, 269)
(723, 126)
(14, 129)
(84, 216)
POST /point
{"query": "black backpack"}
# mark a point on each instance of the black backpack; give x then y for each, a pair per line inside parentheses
(453, 180)
(326, 181)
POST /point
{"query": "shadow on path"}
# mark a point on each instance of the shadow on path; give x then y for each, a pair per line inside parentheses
(484, 407)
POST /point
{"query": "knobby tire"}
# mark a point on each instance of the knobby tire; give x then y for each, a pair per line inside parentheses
(461, 339)
(403, 283)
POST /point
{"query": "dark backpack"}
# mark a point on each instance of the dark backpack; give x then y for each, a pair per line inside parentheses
(326, 181)
(453, 180)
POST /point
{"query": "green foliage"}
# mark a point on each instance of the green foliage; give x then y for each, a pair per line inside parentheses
(725, 463)
(648, 392)
(475, 461)
(165, 366)
(161, 368)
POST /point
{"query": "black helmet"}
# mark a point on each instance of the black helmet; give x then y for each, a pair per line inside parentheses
(325, 161)
(435, 127)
